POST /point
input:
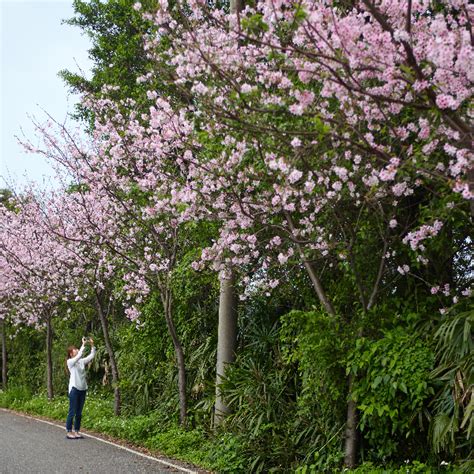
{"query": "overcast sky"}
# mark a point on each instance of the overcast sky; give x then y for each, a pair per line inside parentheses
(35, 46)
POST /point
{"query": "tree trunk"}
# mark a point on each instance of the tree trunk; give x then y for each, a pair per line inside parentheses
(110, 352)
(49, 358)
(178, 349)
(227, 325)
(4, 354)
(351, 436)
(318, 287)
(226, 340)
(236, 6)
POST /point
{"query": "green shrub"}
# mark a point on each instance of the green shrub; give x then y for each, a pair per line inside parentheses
(413, 467)
(14, 395)
(391, 388)
(452, 422)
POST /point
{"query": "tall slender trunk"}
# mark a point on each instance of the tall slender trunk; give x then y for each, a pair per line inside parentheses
(49, 357)
(226, 340)
(227, 325)
(179, 353)
(111, 354)
(318, 287)
(351, 435)
(3, 336)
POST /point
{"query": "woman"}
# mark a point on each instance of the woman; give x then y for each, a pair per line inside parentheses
(77, 386)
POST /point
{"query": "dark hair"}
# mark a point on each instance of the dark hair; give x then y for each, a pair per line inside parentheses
(69, 355)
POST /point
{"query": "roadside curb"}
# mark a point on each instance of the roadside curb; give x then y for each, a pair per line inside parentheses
(118, 443)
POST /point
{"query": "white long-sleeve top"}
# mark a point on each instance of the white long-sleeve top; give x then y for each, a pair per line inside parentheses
(77, 368)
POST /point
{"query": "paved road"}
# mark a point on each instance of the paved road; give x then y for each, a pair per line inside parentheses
(31, 446)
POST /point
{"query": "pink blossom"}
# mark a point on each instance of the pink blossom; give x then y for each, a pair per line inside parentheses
(403, 270)
(296, 142)
(444, 101)
(295, 176)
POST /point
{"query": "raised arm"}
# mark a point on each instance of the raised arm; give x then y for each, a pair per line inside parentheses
(71, 362)
(87, 359)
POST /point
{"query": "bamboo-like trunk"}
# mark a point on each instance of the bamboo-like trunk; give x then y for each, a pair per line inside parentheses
(4, 354)
(49, 357)
(226, 340)
(227, 325)
(110, 351)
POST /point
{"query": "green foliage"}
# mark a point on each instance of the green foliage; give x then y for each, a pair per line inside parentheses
(318, 344)
(254, 24)
(283, 414)
(192, 445)
(261, 391)
(28, 367)
(453, 406)
(391, 387)
(146, 360)
(14, 396)
(407, 468)
(117, 52)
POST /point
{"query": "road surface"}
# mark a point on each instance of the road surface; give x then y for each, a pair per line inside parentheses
(28, 446)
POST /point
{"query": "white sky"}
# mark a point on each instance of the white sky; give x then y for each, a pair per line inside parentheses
(34, 48)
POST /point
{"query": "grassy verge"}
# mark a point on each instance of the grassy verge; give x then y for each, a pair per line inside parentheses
(146, 431)
(222, 453)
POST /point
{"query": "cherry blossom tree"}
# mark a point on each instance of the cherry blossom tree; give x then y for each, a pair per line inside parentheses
(337, 135)
(5, 310)
(37, 269)
(338, 122)
(133, 172)
(76, 220)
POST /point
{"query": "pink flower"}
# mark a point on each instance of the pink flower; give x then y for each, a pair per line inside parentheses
(276, 240)
(444, 101)
(132, 313)
(296, 109)
(295, 176)
(296, 142)
(246, 88)
(399, 189)
(403, 270)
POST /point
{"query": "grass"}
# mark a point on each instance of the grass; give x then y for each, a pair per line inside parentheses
(218, 454)
(146, 431)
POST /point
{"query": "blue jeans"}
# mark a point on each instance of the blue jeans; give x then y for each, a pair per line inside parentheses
(77, 399)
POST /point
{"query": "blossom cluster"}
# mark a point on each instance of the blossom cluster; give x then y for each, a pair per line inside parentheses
(307, 121)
